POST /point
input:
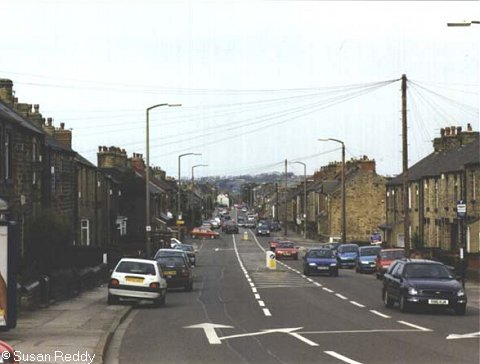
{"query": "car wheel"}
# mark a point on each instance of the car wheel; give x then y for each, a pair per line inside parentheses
(306, 271)
(357, 270)
(403, 304)
(161, 300)
(460, 309)
(112, 300)
(387, 301)
(189, 287)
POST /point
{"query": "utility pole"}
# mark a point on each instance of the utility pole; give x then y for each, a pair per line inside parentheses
(276, 202)
(286, 196)
(406, 217)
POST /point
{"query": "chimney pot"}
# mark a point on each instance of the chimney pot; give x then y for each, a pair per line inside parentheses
(459, 130)
(453, 129)
(447, 131)
(442, 132)
(62, 126)
(469, 127)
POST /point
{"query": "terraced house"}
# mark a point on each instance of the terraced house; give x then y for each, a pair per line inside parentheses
(436, 185)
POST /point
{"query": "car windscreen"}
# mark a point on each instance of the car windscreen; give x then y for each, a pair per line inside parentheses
(366, 252)
(348, 249)
(394, 254)
(136, 268)
(320, 254)
(163, 253)
(171, 262)
(433, 271)
(188, 248)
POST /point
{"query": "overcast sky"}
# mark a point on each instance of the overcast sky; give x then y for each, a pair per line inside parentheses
(259, 81)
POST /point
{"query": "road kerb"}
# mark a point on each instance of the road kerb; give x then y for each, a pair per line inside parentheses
(104, 341)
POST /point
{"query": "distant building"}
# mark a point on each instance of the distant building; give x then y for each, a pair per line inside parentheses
(223, 200)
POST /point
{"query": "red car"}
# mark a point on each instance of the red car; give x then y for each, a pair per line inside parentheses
(385, 258)
(202, 232)
(286, 249)
(274, 243)
(7, 353)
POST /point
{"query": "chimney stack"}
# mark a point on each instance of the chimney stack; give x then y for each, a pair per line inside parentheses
(6, 91)
(452, 137)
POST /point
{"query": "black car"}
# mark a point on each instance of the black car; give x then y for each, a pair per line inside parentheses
(275, 226)
(263, 230)
(418, 282)
(176, 272)
(230, 228)
(190, 250)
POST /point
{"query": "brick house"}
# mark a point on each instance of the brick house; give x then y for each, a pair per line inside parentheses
(436, 184)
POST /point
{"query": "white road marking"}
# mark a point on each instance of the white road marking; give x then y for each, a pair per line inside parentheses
(257, 296)
(340, 296)
(473, 335)
(252, 284)
(358, 331)
(261, 303)
(379, 314)
(266, 311)
(327, 289)
(415, 326)
(254, 290)
(304, 276)
(341, 357)
(317, 284)
(209, 330)
(310, 280)
(357, 304)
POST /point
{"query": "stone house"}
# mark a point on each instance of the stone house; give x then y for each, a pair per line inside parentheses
(436, 184)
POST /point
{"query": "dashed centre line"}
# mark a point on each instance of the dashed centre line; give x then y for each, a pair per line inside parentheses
(380, 314)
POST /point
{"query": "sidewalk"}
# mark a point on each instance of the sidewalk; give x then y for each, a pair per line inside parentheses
(472, 286)
(81, 327)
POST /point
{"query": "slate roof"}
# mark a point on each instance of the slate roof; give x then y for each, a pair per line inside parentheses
(12, 116)
(435, 164)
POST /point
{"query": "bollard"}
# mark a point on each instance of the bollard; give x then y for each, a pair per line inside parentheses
(271, 262)
(245, 235)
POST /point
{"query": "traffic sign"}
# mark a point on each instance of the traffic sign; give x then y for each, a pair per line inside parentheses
(461, 209)
(148, 228)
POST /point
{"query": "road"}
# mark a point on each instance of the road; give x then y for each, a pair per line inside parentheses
(240, 312)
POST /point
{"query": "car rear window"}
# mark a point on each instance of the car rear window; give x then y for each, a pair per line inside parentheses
(285, 245)
(136, 268)
(392, 254)
(427, 271)
(369, 251)
(171, 262)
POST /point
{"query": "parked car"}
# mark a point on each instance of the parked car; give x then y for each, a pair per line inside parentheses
(201, 232)
(276, 226)
(139, 279)
(386, 257)
(164, 252)
(419, 282)
(176, 272)
(320, 260)
(8, 354)
(263, 230)
(286, 250)
(190, 250)
(366, 258)
(347, 255)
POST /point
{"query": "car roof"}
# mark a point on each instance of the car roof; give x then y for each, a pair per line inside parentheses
(392, 249)
(369, 246)
(138, 260)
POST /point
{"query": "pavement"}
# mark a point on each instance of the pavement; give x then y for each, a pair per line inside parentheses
(76, 331)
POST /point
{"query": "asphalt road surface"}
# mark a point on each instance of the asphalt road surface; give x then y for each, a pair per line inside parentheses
(240, 312)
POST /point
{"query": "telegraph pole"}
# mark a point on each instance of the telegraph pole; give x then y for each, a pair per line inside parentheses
(286, 196)
(406, 217)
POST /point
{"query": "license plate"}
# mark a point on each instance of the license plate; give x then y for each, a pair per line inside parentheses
(438, 302)
(134, 279)
(170, 273)
(286, 254)
(322, 268)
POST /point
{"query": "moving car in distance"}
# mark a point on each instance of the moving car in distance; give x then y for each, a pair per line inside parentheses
(387, 257)
(286, 250)
(190, 250)
(176, 272)
(262, 230)
(140, 279)
(172, 252)
(426, 283)
(320, 261)
(366, 258)
(347, 255)
(272, 244)
(202, 232)
(230, 228)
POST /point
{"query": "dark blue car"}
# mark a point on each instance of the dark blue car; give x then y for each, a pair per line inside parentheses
(347, 255)
(317, 261)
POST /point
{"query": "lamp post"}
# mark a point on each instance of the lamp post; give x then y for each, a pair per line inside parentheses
(195, 166)
(148, 227)
(179, 206)
(344, 210)
(304, 198)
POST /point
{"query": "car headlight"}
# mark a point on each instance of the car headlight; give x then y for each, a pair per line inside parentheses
(364, 262)
(333, 264)
(312, 264)
(268, 231)
(460, 293)
(412, 291)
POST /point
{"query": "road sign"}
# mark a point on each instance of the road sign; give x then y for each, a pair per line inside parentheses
(461, 209)
(148, 228)
(180, 222)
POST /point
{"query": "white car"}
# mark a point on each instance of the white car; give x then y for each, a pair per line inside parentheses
(140, 279)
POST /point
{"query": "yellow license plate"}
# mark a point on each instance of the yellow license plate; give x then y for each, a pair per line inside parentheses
(170, 273)
(134, 279)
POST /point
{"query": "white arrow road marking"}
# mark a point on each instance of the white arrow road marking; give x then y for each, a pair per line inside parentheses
(472, 335)
(288, 331)
(341, 357)
(209, 330)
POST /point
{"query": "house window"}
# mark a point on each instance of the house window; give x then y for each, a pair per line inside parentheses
(409, 197)
(34, 150)
(8, 154)
(474, 187)
(85, 232)
(436, 194)
(122, 225)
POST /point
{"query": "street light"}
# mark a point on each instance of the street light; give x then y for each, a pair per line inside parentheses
(304, 198)
(344, 210)
(195, 166)
(179, 212)
(148, 227)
